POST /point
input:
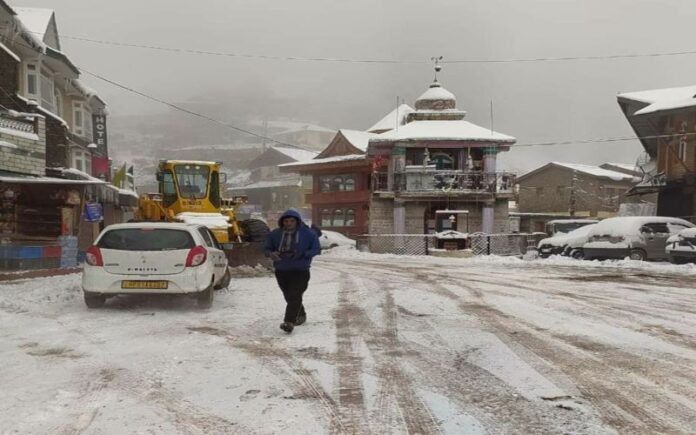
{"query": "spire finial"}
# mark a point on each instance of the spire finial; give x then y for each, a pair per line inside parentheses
(437, 66)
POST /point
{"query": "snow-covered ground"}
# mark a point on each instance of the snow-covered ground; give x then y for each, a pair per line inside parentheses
(392, 345)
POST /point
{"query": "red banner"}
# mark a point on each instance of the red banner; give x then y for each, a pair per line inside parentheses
(100, 167)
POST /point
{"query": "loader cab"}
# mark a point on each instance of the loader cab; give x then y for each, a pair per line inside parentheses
(190, 186)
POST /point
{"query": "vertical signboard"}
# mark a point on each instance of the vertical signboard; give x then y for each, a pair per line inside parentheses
(99, 132)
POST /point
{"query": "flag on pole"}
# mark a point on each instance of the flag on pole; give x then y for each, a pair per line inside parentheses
(120, 177)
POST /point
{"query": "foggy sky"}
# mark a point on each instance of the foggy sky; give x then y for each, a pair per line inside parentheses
(535, 102)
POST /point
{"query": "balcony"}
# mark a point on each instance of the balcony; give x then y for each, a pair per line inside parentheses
(17, 123)
(430, 181)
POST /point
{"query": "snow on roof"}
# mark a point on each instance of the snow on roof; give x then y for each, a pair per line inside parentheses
(345, 158)
(81, 174)
(666, 94)
(297, 154)
(630, 225)
(444, 130)
(4, 48)
(663, 99)
(22, 179)
(35, 20)
(625, 166)
(437, 93)
(667, 105)
(359, 139)
(596, 171)
(573, 221)
(389, 122)
(294, 127)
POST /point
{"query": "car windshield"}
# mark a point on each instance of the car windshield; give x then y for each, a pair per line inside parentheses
(146, 239)
(192, 180)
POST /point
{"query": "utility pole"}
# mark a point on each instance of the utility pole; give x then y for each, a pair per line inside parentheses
(572, 202)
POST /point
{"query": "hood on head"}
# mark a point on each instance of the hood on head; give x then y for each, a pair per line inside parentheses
(290, 213)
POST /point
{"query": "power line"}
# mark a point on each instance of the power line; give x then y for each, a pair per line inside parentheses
(381, 61)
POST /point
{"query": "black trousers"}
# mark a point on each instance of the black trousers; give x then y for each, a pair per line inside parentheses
(293, 283)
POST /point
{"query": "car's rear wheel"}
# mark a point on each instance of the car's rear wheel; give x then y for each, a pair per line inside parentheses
(225, 280)
(205, 298)
(578, 254)
(94, 300)
(638, 255)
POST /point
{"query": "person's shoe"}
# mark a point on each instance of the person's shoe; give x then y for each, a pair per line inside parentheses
(301, 319)
(287, 327)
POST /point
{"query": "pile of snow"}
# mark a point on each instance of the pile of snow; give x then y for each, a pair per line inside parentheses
(211, 220)
(396, 117)
(332, 239)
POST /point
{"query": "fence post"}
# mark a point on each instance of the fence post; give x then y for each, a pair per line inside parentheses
(488, 245)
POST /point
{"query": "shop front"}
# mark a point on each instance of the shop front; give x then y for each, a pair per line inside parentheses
(39, 221)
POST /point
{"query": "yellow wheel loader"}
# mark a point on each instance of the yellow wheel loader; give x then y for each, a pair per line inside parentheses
(190, 192)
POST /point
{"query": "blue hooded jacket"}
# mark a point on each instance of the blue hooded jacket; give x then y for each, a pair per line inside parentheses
(305, 246)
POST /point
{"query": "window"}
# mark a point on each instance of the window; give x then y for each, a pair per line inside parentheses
(338, 217)
(683, 141)
(206, 237)
(192, 180)
(656, 227)
(59, 103)
(442, 161)
(82, 161)
(146, 239)
(47, 91)
(78, 119)
(32, 82)
(326, 217)
(337, 183)
(215, 189)
(350, 217)
(168, 189)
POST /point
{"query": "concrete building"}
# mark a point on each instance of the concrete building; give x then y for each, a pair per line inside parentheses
(558, 190)
(436, 161)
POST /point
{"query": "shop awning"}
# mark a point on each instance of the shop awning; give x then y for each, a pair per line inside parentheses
(6, 177)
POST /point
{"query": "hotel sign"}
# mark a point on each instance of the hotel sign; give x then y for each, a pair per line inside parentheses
(99, 131)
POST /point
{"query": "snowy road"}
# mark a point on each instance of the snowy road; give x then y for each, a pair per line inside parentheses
(392, 345)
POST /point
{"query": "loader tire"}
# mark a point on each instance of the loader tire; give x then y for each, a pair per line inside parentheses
(255, 230)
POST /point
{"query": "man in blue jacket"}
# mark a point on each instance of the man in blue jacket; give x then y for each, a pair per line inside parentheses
(292, 246)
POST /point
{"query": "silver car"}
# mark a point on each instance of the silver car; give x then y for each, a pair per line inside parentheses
(636, 237)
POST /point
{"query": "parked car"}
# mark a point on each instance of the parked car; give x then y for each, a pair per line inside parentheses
(681, 247)
(566, 244)
(160, 258)
(332, 239)
(638, 238)
(566, 225)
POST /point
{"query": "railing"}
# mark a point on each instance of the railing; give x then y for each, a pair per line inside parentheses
(424, 181)
(17, 123)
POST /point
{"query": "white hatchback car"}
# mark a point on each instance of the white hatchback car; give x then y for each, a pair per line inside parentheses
(154, 258)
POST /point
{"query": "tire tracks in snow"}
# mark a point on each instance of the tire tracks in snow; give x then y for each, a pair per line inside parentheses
(396, 390)
(490, 400)
(302, 381)
(626, 401)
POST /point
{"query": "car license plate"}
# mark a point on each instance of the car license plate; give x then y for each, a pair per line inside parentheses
(154, 285)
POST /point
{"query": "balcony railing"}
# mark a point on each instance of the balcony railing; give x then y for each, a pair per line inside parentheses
(17, 123)
(431, 181)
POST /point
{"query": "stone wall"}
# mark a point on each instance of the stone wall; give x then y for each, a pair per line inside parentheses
(24, 152)
(381, 216)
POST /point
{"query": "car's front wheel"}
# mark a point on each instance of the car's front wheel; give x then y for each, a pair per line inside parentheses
(638, 254)
(578, 254)
(678, 260)
(205, 298)
(94, 300)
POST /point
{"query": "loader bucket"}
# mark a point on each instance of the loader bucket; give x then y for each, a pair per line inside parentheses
(248, 254)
